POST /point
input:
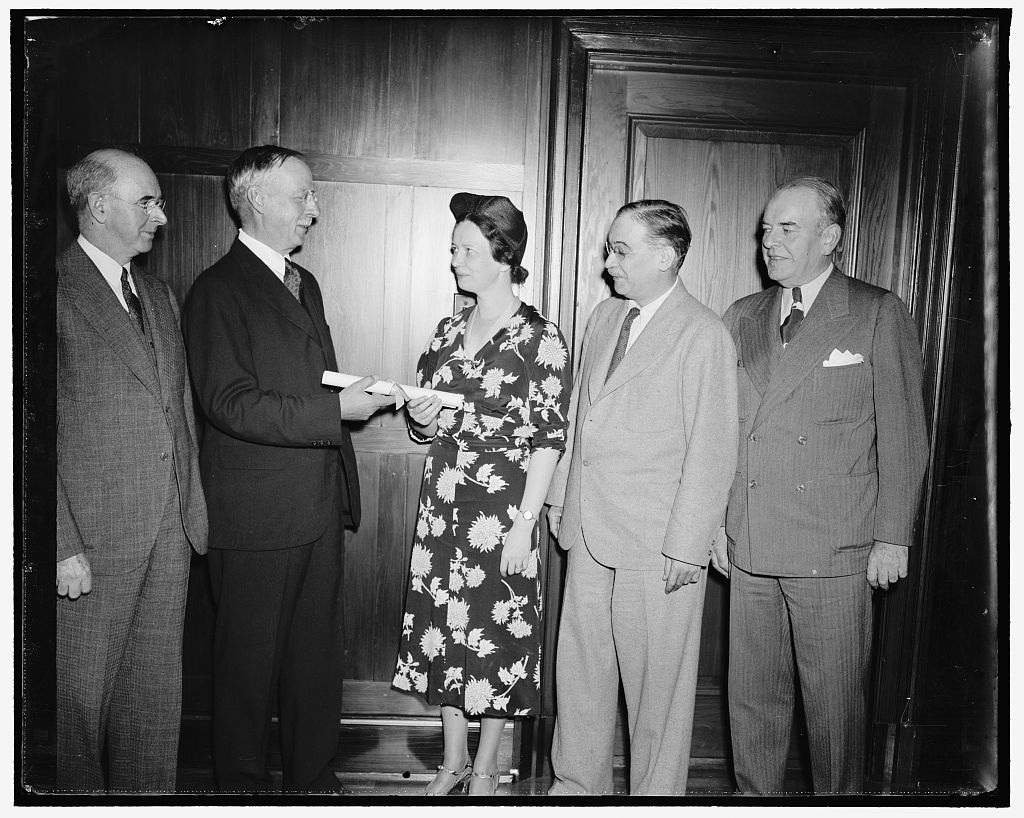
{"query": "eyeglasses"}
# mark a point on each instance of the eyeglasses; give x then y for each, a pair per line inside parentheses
(309, 196)
(149, 205)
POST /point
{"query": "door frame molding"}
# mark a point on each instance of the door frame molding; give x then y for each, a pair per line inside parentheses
(839, 47)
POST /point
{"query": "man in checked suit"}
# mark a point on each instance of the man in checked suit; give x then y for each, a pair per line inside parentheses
(832, 453)
(280, 478)
(129, 499)
(636, 501)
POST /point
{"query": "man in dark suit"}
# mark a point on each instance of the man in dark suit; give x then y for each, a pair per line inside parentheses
(129, 499)
(832, 453)
(280, 478)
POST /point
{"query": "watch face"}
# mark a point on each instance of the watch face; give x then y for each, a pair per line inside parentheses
(527, 515)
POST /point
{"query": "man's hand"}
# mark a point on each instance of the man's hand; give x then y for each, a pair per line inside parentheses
(358, 404)
(720, 552)
(886, 563)
(554, 519)
(678, 573)
(74, 576)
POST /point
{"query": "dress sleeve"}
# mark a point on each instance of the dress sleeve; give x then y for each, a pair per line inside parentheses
(550, 387)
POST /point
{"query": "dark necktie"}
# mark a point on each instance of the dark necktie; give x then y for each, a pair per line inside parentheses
(292, 280)
(796, 315)
(132, 300)
(620, 346)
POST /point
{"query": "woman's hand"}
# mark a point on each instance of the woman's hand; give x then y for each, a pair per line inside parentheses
(423, 410)
(515, 553)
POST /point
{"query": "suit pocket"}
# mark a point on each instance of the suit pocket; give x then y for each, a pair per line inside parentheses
(843, 394)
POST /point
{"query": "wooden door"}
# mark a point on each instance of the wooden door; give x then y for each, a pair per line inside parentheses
(719, 145)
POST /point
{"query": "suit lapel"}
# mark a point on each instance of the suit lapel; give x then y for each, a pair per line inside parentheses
(608, 333)
(272, 289)
(651, 343)
(822, 330)
(90, 293)
(760, 344)
(161, 325)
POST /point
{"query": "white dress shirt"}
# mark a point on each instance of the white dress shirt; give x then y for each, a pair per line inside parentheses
(109, 268)
(268, 255)
(647, 313)
(808, 292)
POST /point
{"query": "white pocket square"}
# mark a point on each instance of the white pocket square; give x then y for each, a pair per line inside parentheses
(846, 358)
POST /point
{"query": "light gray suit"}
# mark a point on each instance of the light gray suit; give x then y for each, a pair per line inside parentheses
(129, 497)
(831, 459)
(645, 476)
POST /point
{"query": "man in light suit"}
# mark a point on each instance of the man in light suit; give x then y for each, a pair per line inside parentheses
(129, 499)
(636, 501)
(832, 453)
(280, 478)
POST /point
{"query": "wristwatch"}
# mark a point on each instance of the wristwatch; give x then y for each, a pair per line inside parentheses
(529, 516)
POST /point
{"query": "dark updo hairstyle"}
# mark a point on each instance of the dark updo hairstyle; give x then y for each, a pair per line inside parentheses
(501, 223)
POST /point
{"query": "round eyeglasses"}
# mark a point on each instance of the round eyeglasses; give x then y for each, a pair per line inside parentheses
(149, 205)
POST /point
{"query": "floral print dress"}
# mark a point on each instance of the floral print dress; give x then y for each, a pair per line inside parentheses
(470, 636)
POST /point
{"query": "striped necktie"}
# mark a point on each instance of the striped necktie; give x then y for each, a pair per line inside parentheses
(620, 345)
(132, 300)
(796, 315)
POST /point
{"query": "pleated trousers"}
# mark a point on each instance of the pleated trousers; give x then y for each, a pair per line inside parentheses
(119, 671)
(819, 631)
(620, 624)
(278, 639)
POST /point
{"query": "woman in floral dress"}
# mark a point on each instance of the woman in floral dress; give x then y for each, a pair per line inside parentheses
(471, 632)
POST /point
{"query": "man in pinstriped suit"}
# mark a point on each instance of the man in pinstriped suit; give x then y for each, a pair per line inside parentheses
(832, 453)
(129, 499)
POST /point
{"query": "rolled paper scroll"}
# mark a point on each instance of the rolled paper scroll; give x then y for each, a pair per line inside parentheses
(453, 400)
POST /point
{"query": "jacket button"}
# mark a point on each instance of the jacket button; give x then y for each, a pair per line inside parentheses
(800, 487)
(752, 484)
(752, 438)
(814, 571)
(802, 440)
(164, 455)
(586, 462)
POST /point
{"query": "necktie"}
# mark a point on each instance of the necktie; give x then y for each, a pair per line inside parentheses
(796, 315)
(620, 345)
(292, 280)
(132, 300)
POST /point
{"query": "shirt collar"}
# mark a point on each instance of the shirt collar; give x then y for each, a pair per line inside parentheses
(652, 307)
(808, 292)
(109, 269)
(268, 255)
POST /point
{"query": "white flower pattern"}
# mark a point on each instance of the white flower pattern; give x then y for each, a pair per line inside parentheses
(470, 637)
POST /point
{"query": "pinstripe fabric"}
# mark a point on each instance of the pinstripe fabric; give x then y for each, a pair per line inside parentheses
(126, 697)
(830, 460)
(827, 623)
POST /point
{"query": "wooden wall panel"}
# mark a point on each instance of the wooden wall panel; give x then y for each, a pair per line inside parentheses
(361, 571)
(724, 186)
(196, 84)
(750, 102)
(345, 250)
(199, 230)
(473, 80)
(603, 190)
(881, 262)
(108, 61)
(337, 87)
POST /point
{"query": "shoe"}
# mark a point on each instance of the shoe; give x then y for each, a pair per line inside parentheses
(491, 777)
(457, 778)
